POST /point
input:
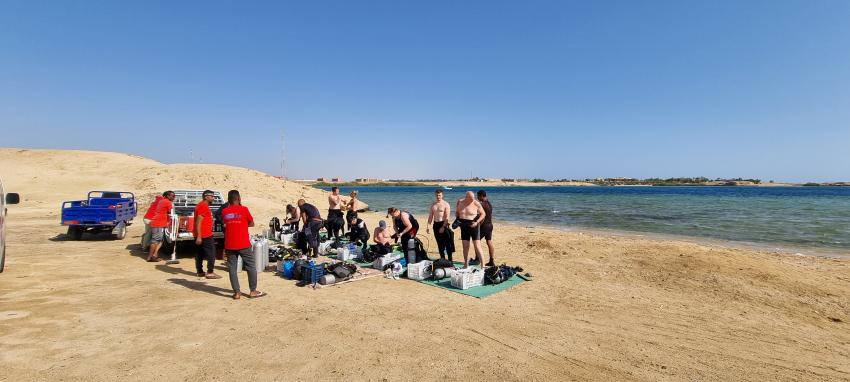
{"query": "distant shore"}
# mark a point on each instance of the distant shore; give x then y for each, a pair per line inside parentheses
(492, 183)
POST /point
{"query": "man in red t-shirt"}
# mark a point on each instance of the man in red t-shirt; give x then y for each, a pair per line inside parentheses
(158, 224)
(203, 236)
(146, 238)
(237, 242)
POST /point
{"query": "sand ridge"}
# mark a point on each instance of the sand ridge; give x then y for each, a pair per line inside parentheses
(600, 308)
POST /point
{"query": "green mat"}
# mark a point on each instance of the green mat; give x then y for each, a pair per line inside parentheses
(478, 292)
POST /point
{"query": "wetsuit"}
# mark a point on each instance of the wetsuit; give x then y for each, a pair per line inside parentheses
(311, 228)
(359, 233)
(445, 240)
(335, 223)
(399, 226)
(486, 227)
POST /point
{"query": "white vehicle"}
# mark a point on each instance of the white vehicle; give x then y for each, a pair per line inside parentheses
(10, 198)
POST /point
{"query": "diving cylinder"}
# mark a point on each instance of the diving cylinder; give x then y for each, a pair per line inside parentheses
(411, 251)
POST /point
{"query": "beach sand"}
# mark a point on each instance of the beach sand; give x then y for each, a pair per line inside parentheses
(601, 307)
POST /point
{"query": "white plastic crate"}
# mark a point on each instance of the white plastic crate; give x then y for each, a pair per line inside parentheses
(346, 254)
(420, 270)
(325, 248)
(382, 262)
(467, 278)
(286, 238)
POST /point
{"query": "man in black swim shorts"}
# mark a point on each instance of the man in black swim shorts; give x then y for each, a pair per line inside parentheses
(470, 214)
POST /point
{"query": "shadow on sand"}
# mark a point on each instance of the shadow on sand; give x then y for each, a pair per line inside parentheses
(203, 287)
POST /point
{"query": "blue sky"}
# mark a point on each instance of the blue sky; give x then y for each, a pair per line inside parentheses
(439, 89)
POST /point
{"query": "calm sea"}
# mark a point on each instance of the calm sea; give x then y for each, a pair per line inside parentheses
(796, 218)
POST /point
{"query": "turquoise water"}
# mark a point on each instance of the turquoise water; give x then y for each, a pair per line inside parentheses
(786, 217)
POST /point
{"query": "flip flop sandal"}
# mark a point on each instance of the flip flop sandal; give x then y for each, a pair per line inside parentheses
(258, 295)
(154, 260)
(212, 277)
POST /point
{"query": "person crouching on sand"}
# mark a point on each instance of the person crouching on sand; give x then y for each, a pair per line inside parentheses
(237, 242)
(470, 213)
(382, 238)
(405, 226)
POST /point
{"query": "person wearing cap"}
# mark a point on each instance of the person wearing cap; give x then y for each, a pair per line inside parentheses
(203, 232)
(382, 238)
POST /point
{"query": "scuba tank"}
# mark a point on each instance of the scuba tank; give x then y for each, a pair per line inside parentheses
(442, 273)
(411, 251)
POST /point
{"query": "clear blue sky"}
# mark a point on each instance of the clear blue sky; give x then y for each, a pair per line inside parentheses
(426, 89)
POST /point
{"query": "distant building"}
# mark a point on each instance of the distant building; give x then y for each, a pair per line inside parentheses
(336, 180)
(321, 180)
(367, 180)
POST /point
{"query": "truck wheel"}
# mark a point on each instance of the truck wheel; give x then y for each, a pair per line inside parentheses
(75, 233)
(122, 233)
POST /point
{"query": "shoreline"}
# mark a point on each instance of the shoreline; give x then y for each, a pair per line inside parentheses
(775, 248)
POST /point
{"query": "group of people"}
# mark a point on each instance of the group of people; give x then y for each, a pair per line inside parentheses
(473, 217)
(309, 215)
(236, 220)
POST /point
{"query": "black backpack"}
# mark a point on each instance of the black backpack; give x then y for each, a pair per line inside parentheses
(500, 274)
(342, 271)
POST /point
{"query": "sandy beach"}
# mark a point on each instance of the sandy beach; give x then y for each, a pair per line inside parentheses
(601, 307)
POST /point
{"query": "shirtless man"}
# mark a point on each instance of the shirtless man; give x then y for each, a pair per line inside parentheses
(336, 220)
(382, 238)
(439, 216)
(470, 213)
(351, 207)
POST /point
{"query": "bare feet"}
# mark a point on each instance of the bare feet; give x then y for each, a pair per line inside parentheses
(212, 276)
(237, 295)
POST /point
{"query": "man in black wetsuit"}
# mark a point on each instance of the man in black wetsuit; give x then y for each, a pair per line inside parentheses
(312, 224)
(486, 228)
(358, 234)
(405, 226)
(336, 220)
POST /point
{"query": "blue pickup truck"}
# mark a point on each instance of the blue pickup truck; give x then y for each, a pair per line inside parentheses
(101, 211)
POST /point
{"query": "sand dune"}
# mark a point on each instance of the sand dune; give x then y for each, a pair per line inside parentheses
(601, 307)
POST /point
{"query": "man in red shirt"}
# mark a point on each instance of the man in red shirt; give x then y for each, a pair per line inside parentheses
(146, 238)
(237, 242)
(203, 236)
(158, 224)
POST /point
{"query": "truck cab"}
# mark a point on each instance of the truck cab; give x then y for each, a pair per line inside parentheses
(5, 199)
